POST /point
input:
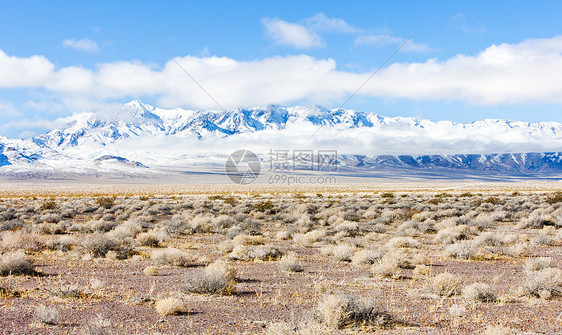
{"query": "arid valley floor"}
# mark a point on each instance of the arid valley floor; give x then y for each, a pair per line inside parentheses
(381, 259)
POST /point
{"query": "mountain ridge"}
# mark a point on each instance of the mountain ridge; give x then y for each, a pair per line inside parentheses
(140, 136)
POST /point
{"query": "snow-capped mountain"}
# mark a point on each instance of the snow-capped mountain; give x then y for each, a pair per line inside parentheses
(136, 137)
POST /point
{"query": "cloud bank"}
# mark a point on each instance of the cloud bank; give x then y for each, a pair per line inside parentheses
(526, 72)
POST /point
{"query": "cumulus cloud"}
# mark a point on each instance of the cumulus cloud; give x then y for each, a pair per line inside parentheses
(291, 34)
(24, 71)
(505, 73)
(84, 44)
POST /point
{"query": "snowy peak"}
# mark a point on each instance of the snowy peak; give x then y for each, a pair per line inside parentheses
(136, 119)
(135, 135)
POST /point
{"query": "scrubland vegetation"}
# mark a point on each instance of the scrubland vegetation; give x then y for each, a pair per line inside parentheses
(305, 263)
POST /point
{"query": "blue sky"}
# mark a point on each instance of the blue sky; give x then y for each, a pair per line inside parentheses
(59, 57)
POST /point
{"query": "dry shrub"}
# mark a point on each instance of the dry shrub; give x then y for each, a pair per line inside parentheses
(451, 234)
(518, 250)
(422, 270)
(47, 315)
(443, 285)
(11, 225)
(343, 253)
(97, 325)
(266, 253)
(169, 306)
(16, 240)
(247, 240)
(290, 263)
(537, 220)
(241, 253)
(309, 238)
(482, 221)
(387, 267)
(348, 227)
(98, 245)
(543, 239)
(479, 292)
(223, 221)
(413, 228)
(150, 270)
(105, 202)
(101, 226)
(340, 310)
(367, 256)
(15, 263)
(62, 243)
(379, 228)
(402, 242)
(537, 264)
(172, 257)
(148, 239)
(261, 252)
(490, 239)
(284, 235)
(201, 224)
(213, 279)
(128, 229)
(463, 250)
(543, 283)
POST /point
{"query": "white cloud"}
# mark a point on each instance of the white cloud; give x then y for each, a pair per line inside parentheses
(398, 136)
(305, 36)
(84, 44)
(505, 73)
(27, 133)
(25, 71)
(41, 124)
(526, 72)
(381, 40)
(461, 23)
(321, 22)
(291, 34)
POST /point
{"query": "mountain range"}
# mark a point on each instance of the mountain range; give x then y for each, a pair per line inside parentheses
(139, 139)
